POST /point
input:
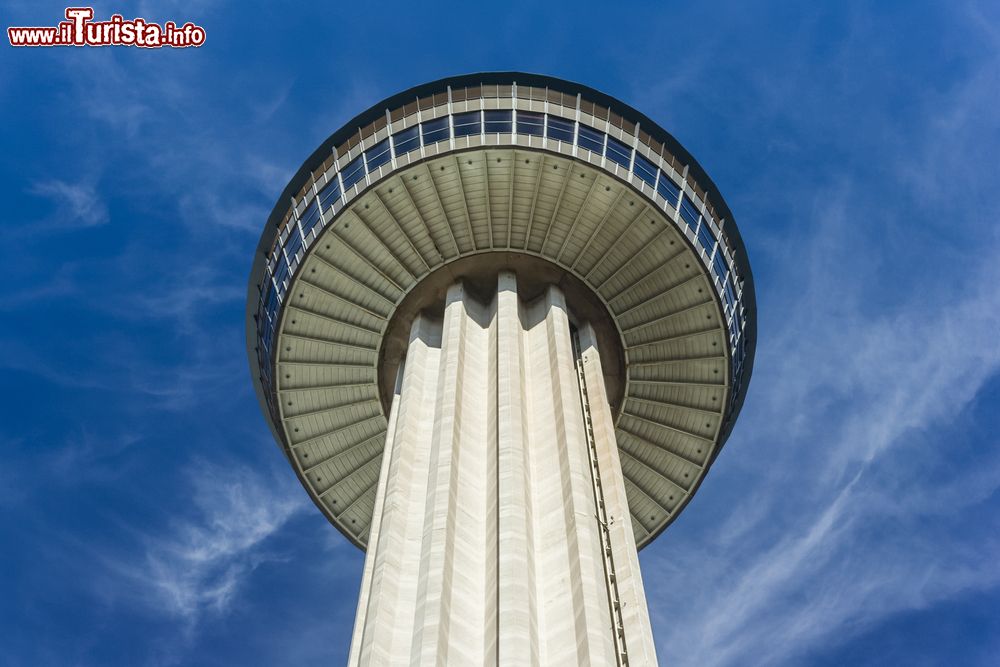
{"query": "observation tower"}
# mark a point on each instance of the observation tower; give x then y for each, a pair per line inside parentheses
(501, 325)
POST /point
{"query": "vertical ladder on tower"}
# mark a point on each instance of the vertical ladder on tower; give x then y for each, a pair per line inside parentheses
(614, 600)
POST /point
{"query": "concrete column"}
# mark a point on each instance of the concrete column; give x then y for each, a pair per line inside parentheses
(384, 630)
(518, 613)
(628, 580)
(576, 623)
(487, 545)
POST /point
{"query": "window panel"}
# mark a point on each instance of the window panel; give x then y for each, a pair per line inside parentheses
(310, 217)
(668, 189)
(466, 124)
(560, 129)
(377, 155)
(530, 123)
(618, 152)
(435, 130)
(498, 122)
(280, 275)
(406, 140)
(644, 169)
(329, 194)
(293, 244)
(729, 293)
(706, 238)
(353, 172)
(591, 139)
(688, 212)
(270, 308)
(719, 264)
(265, 344)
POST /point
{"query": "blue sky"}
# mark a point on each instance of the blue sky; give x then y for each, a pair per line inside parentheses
(146, 517)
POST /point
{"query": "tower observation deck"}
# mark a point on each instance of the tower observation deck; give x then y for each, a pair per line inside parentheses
(501, 325)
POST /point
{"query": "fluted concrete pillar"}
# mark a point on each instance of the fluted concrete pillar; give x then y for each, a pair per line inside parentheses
(501, 532)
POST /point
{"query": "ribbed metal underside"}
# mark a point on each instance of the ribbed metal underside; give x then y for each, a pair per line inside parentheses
(412, 222)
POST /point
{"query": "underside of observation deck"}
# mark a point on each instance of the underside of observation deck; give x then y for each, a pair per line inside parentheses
(671, 390)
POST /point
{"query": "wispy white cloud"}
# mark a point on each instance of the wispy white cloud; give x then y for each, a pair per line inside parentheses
(183, 385)
(847, 494)
(197, 565)
(26, 358)
(183, 296)
(77, 205)
(815, 551)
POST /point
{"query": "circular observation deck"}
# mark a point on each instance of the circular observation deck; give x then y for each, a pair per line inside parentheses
(520, 171)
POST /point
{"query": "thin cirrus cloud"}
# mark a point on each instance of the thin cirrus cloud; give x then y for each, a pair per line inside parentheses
(842, 507)
(825, 558)
(76, 205)
(196, 565)
(850, 497)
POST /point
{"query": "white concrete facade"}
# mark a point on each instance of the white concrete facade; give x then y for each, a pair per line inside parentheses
(501, 531)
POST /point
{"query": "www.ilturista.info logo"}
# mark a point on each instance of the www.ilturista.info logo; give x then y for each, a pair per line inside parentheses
(80, 30)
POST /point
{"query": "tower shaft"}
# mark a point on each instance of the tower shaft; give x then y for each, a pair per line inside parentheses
(501, 532)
